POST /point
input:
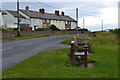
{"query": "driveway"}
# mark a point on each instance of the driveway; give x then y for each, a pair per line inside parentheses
(13, 52)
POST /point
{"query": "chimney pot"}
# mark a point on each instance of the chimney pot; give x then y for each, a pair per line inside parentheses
(62, 13)
(27, 8)
(57, 12)
(42, 10)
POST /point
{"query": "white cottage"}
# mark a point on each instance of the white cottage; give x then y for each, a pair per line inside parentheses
(1, 22)
(38, 19)
(10, 19)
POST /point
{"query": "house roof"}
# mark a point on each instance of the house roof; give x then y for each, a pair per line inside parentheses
(14, 13)
(39, 15)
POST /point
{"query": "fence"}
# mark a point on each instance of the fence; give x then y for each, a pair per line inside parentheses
(80, 49)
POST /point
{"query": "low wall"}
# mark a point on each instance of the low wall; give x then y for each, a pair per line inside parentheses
(12, 34)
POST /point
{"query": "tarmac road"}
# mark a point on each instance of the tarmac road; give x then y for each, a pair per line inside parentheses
(13, 52)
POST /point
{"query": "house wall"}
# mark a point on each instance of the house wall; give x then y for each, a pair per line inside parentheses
(9, 20)
(59, 24)
(22, 21)
(1, 22)
(73, 25)
(27, 20)
(36, 22)
(39, 23)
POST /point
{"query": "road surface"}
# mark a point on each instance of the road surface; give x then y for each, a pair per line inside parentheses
(13, 52)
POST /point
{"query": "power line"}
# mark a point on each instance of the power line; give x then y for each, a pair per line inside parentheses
(59, 8)
(51, 6)
(45, 4)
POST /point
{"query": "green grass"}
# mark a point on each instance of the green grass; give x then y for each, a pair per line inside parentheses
(30, 37)
(52, 64)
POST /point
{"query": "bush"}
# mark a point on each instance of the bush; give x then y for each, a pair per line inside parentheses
(70, 29)
(116, 31)
(7, 29)
(41, 29)
(54, 28)
(84, 29)
(77, 29)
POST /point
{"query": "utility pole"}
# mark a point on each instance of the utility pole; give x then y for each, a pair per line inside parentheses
(77, 16)
(83, 23)
(77, 19)
(102, 24)
(18, 25)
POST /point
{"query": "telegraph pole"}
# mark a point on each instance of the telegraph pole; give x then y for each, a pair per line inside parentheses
(83, 23)
(77, 19)
(18, 25)
(77, 16)
(102, 24)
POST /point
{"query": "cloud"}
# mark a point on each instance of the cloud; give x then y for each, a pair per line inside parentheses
(99, 1)
(108, 15)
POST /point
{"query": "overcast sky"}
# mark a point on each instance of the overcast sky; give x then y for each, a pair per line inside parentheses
(91, 10)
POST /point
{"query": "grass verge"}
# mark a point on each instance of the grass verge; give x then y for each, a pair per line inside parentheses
(52, 64)
(30, 37)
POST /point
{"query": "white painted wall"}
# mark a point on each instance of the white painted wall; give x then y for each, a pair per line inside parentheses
(1, 21)
(73, 25)
(22, 20)
(36, 22)
(9, 20)
(59, 24)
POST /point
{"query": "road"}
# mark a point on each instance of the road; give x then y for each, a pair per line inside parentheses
(13, 52)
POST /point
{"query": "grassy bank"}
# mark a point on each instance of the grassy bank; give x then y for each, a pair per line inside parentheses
(52, 64)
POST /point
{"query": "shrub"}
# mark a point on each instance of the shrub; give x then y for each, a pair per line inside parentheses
(7, 29)
(116, 31)
(84, 29)
(70, 29)
(54, 28)
(77, 29)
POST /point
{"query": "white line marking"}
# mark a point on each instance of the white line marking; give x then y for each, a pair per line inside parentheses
(6, 49)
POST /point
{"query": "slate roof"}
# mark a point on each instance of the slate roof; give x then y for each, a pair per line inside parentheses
(14, 13)
(39, 15)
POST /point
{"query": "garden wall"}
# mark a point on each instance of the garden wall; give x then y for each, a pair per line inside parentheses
(11, 34)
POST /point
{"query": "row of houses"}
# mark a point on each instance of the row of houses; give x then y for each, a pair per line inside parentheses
(36, 19)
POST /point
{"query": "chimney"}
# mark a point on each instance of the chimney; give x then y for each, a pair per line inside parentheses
(27, 8)
(42, 10)
(62, 13)
(57, 12)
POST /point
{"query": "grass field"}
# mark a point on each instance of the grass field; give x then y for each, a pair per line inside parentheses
(52, 64)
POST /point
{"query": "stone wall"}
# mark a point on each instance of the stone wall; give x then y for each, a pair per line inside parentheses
(12, 34)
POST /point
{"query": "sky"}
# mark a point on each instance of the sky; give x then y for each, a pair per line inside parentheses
(93, 11)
